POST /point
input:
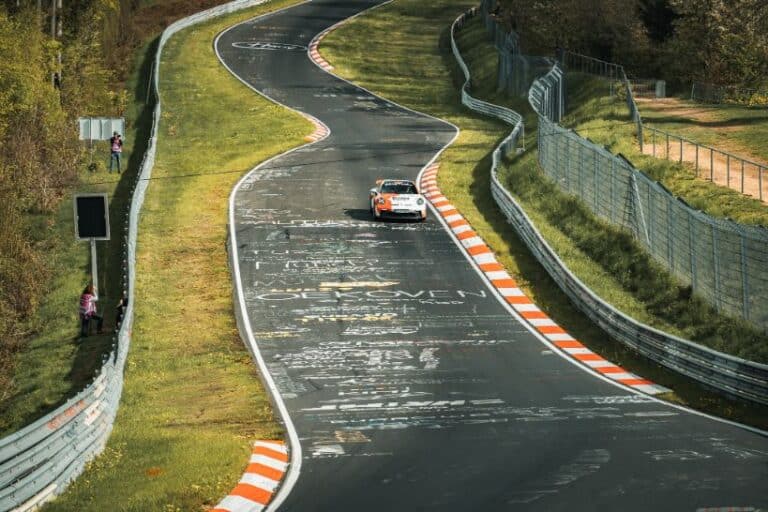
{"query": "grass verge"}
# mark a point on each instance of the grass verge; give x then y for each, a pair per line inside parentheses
(192, 401)
(401, 52)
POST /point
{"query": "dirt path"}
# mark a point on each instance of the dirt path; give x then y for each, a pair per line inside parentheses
(712, 164)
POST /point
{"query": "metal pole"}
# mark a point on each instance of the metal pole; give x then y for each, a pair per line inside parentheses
(94, 269)
(697, 160)
(711, 165)
(742, 176)
(53, 19)
(728, 170)
(744, 279)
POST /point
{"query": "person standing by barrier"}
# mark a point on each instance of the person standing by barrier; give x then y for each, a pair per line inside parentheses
(116, 150)
(88, 311)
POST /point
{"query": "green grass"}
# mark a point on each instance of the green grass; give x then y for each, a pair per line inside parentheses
(192, 401)
(401, 52)
(603, 119)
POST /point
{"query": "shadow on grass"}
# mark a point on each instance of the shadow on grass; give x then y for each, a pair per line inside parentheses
(725, 123)
(91, 350)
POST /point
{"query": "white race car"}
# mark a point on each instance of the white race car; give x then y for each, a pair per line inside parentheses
(397, 199)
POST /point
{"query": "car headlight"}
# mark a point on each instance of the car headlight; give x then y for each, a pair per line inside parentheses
(380, 200)
(419, 201)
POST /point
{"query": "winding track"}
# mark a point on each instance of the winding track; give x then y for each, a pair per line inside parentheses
(410, 386)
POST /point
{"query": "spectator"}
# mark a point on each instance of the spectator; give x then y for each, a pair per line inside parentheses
(116, 146)
(88, 311)
(120, 311)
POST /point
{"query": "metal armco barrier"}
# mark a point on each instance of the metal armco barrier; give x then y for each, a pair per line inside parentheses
(509, 144)
(41, 459)
(721, 372)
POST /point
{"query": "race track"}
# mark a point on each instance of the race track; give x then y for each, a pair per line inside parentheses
(410, 386)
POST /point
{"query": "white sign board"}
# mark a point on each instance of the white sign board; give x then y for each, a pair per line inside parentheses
(100, 128)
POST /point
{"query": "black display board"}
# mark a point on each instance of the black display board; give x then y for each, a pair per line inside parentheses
(91, 217)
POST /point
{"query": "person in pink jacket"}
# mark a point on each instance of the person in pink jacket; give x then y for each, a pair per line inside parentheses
(88, 311)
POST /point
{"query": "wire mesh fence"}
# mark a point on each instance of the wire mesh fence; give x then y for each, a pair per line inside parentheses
(722, 372)
(710, 163)
(614, 73)
(724, 262)
(728, 94)
(648, 88)
(516, 71)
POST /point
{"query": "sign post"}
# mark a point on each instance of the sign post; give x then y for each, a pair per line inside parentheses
(99, 128)
(92, 223)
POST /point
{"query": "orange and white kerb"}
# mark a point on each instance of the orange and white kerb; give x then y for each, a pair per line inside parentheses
(507, 287)
(267, 465)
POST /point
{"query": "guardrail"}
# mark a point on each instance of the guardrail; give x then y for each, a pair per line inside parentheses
(509, 144)
(41, 459)
(715, 164)
(724, 373)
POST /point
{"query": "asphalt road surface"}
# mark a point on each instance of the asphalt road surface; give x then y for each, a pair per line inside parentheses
(410, 386)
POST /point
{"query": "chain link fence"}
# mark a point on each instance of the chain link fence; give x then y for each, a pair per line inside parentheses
(724, 262)
(40, 460)
(615, 74)
(724, 373)
(516, 71)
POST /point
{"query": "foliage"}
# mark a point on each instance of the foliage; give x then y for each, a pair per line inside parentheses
(719, 41)
(40, 155)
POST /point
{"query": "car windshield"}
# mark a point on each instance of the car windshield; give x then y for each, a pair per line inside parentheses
(401, 187)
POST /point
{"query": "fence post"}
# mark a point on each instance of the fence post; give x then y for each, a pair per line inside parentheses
(711, 165)
(760, 181)
(667, 153)
(697, 159)
(595, 156)
(716, 268)
(681, 150)
(612, 204)
(653, 131)
(691, 251)
(742, 176)
(728, 170)
(670, 239)
(744, 279)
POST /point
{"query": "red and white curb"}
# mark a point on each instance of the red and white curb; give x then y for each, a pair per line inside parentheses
(321, 131)
(268, 464)
(315, 55)
(507, 287)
